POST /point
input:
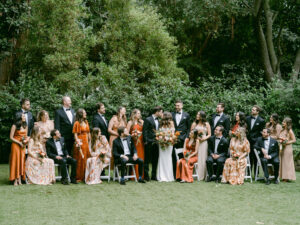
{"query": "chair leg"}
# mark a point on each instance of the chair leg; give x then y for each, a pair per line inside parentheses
(117, 170)
(134, 173)
(114, 175)
(108, 179)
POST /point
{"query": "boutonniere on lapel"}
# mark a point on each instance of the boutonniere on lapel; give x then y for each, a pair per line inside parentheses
(221, 121)
(272, 145)
(257, 123)
(184, 118)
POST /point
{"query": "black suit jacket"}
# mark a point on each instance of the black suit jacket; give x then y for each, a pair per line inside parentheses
(273, 150)
(52, 150)
(99, 122)
(224, 121)
(63, 124)
(184, 125)
(256, 130)
(222, 147)
(118, 148)
(149, 130)
(30, 121)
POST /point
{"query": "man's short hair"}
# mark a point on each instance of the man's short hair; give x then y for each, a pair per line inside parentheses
(178, 101)
(156, 109)
(121, 130)
(258, 108)
(221, 128)
(53, 132)
(221, 104)
(23, 100)
(99, 105)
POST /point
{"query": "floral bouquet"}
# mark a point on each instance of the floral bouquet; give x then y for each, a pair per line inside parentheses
(78, 145)
(235, 155)
(135, 134)
(42, 155)
(233, 134)
(200, 133)
(282, 143)
(186, 154)
(166, 138)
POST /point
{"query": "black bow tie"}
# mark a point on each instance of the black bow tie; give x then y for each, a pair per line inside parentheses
(124, 139)
(57, 140)
(68, 109)
(156, 118)
(265, 139)
(218, 138)
(178, 113)
(253, 118)
(218, 115)
(25, 112)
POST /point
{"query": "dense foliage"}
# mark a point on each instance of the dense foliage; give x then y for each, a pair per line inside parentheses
(143, 53)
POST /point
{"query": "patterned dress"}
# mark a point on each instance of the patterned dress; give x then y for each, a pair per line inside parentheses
(95, 164)
(37, 172)
(185, 168)
(234, 169)
(82, 133)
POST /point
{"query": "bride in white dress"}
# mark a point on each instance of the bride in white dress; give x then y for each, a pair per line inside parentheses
(165, 165)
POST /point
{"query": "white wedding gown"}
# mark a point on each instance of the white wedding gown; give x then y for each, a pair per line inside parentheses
(165, 165)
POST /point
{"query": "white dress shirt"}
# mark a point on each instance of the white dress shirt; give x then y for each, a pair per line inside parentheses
(253, 121)
(267, 145)
(217, 141)
(126, 147)
(178, 117)
(26, 116)
(69, 114)
(58, 148)
(217, 119)
(156, 122)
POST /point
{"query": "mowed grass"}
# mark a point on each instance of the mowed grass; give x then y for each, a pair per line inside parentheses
(150, 203)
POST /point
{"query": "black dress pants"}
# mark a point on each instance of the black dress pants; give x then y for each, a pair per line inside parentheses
(274, 162)
(63, 164)
(151, 156)
(123, 162)
(220, 164)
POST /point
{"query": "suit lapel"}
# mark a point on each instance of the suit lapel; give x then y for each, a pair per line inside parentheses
(153, 122)
(64, 114)
(121, 144)
(182, 117)
(54, 145)
(220, 119)
(102, 120)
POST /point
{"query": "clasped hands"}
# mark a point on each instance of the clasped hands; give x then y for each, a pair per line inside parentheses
(266, 156)
(126, 158)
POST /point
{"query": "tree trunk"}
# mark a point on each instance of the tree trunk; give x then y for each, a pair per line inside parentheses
(296, 66)
(6, 66)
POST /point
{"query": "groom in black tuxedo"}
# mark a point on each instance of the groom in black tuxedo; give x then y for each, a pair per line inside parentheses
(125, 152)
(100, 121)
(255, 126)
(64, 121)
(220, 119)
(182, 124)
(56, 150)
(268, 151)
(151, 124)
(217, 153)
(25, 107)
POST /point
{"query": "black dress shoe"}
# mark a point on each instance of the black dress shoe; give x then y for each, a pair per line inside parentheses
(276, 181)
(73, 181)
(141, 181)
(153, 178)
(122, 182)
(147, 179)
(208, 179)
(65, 182)
(268, 182)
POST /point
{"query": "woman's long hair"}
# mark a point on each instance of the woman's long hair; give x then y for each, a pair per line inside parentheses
(36, 134)
(133, 114)
(79, 116)
(41, 114)
(243, 134)
(275, 118)
(166, 120)
(202, 117)
(242, 122)
(94, 137)
(18, 121)
(288, 122)
(124, 118)
(195, 135)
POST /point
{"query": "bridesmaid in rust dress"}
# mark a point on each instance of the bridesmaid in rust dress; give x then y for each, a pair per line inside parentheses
(185, 166)
(135, 127)
(115, 122)
(81, 131)
(18, 135)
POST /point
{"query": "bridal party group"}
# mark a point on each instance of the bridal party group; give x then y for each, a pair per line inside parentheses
(172, 144)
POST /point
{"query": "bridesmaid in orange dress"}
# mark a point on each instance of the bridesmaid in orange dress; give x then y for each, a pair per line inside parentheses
(115, 122)
(135, 127)
(18, 135)
(81, 131)
(240, 121)
(185, 166)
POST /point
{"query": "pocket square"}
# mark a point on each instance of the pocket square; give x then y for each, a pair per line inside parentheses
(221, 121)
(257, 123)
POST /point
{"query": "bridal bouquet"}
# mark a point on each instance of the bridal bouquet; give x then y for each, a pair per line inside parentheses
(282, 143)
(135, 134)
(235, 155)
(186, 154)
(166, 138)
(42, 155)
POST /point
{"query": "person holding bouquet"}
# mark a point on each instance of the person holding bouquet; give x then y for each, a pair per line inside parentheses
(19, 138)
(82, 137)
(185, 166)
(234, 168)
(286, 139)
(135, 128)
(39, 169)
(100, 157)
(166, 139)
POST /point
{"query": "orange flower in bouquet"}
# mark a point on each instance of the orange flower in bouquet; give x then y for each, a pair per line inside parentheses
(166, 138)
(135, 134)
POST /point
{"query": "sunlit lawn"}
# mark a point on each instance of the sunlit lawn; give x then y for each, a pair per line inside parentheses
(151, 203)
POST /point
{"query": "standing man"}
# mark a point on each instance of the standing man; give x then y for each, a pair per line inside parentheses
(25, 107)
(151, 147)
(64, 121)
(217, 152)
(255, 126)
(220, 119)
(268, 151)
(182, 124)
(100, 121)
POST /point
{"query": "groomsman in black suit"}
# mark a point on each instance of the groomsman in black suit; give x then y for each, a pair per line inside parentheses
(220, 119)
(56, 150)
(268, 151)
(255, 126)
(25, 107)
(100, 121)
(64, 121)
(217, 153)
(151, 124)
(182, 124)
(125, 152)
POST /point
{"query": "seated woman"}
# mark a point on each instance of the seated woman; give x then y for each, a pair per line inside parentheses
(100, 157)
(234, 168)
(185, 166)
(45, 124)
(39, 169)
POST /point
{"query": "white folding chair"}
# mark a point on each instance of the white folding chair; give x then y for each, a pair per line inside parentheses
(260, 165)
(195, 172)
(106, 177)
(58, 177)
(177, 151)
(127, 176)
(248, 168)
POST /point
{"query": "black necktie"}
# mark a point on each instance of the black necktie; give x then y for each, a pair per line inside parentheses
(68, 109)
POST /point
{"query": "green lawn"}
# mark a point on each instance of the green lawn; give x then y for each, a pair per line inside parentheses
(151, 203)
